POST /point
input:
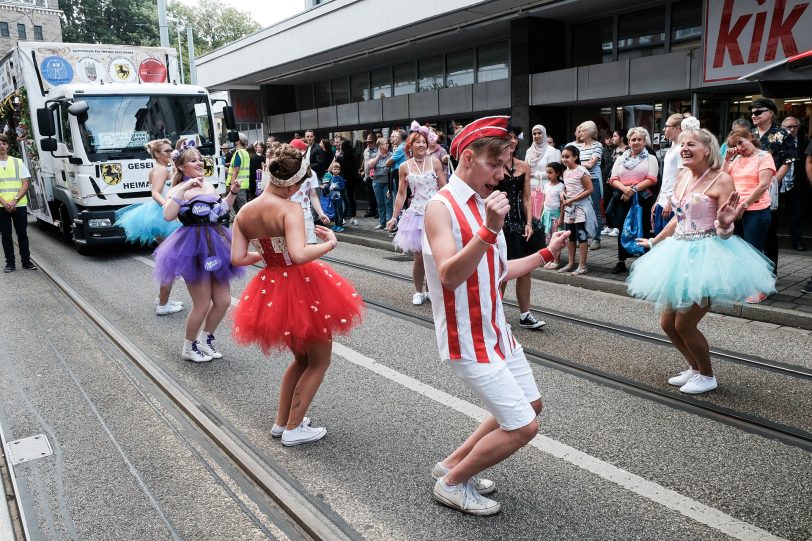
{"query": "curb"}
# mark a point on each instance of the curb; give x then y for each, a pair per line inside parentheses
(753, 312)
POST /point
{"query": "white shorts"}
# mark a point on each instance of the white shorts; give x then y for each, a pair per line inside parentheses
(505, 388)
(310, 228)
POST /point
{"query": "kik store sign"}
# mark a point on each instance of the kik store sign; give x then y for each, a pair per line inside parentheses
(742, 36)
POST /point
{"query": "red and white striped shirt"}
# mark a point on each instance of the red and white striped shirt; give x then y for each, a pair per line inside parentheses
(470, 321)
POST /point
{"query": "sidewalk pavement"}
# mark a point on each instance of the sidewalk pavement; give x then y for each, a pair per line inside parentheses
(787, 307)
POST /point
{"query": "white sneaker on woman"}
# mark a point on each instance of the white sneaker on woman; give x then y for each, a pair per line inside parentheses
(302, 434)
(683, 377)
(417, 299)
(699, 384)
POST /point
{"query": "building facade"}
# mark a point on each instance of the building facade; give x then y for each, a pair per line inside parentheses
(29, 20)
(349, 65)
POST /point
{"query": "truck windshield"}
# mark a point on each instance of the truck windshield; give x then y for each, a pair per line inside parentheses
(117, 127)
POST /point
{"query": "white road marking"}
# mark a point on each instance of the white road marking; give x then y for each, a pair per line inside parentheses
(650, 490)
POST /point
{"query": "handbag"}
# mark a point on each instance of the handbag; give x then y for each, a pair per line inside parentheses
(537, 202)
(633, 228)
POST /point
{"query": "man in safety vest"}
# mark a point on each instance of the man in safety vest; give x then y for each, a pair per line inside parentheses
(238, 171)
(14, 177)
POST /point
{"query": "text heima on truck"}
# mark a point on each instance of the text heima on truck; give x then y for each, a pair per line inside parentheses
(82, 114)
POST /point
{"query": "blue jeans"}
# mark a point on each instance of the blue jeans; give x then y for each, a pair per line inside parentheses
(596, 204)
(754, 227)
(384, 202)
(339, 206)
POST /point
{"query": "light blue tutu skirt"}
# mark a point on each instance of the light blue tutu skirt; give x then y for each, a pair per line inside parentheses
(144, 222)
(677, 274)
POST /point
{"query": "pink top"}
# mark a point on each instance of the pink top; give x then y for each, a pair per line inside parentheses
(645, 169)
(573, 186)
(745, 170)
(695, 211)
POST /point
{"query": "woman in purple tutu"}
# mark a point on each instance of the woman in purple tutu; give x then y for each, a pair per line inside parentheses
(200, 251)
(423, 175)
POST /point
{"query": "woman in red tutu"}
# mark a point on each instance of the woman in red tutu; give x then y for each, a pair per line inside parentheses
(295, 302)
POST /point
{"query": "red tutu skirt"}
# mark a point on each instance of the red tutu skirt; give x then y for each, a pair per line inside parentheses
(296, 307)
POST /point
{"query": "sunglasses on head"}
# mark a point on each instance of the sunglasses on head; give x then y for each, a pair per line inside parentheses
(758, 112)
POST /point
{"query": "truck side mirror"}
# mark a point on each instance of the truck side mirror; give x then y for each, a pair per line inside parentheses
(233, 136)
(228, 117)
(48, 144)
(45, 120)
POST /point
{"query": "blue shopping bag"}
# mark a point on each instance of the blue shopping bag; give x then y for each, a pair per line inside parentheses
(633, 228)
(327, 206)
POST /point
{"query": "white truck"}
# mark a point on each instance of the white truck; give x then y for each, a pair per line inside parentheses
(82, 113)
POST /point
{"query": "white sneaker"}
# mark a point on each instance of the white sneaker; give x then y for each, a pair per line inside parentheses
(606, 230)
(167, 309)
(170, 301)
(426, 296)
(194, 354)
(483, 486)
(353, 221)
(699, 384)
(208, 346)
(277, 430)
(379, 226)
(683, 377)
(615, 232)
(595, 245)
(464, 498)
(417, 299)
(302, 434)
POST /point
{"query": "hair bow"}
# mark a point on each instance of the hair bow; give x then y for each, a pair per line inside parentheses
(430, 136)
(186, 145)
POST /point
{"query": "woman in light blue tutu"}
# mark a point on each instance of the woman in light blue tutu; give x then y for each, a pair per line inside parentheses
(144, 222)
(695, 261)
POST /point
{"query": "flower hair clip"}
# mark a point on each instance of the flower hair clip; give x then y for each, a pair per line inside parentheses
(186, 145)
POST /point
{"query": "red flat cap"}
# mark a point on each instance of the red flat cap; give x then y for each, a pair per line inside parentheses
(489, 126)
(299, 145)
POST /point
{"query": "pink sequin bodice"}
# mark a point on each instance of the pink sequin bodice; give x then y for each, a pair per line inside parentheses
(423, 186)
(696, 213)
(274, 251)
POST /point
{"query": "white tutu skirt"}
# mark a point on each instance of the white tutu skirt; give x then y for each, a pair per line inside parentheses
(677, 274)
(410, 232)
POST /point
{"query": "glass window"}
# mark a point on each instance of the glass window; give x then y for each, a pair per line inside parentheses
(460, 68)
(21, 31)
(641, 33)
(321, 92)
(686, 24)
(492, 62)
(38, 33)
(592, 42)
(304, 97)
(404, 79)
(4, 30)
(341, 91)
(359, 87)
(64, 128)
(381, 82)
(430, 73)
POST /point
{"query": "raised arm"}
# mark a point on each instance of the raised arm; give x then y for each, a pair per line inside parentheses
(298, 249)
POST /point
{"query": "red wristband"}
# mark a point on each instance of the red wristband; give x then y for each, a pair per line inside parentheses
(546, 255)
(486, 235)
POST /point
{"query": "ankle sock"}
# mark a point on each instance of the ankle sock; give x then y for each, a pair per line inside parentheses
(524, 314)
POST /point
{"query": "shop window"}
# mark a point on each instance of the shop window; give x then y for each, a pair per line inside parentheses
(4, 30)
(460, 68)
(641, 33)
(359, 87)
(381, 83)
(492, 62)
(38, 33)
(21, 31)
(341, 91)
(405, 79)
(304, 97)
(430, 73)
(686, 24)
(321, 92)
(592, 42)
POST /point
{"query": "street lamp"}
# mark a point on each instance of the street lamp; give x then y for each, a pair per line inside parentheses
(178, 23)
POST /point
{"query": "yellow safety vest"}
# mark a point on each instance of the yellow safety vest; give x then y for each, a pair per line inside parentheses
(245, 169)
(10, 181)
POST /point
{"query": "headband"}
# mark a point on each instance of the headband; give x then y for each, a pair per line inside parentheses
(292, 180)
(430, 136)
(186, 145)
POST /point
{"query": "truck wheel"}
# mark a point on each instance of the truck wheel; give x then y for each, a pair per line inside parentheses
(65, 224)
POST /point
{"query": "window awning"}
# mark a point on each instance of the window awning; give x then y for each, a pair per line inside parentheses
(786, 78)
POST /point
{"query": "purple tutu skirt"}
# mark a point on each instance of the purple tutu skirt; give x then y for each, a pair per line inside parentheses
(409, 237)
(197, 253)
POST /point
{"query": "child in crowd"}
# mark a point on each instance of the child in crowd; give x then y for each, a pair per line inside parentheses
(551, 217)
(337, 187)
(579, 216)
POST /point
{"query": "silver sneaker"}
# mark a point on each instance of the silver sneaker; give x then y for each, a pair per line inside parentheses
(464, 498)
(277, 430)
(302, 434)
(481, 485)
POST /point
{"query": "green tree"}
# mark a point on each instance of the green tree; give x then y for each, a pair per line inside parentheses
(213, 24)
(133, 22)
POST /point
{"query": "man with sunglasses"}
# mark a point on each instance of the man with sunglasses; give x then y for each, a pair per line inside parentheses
(775, 140)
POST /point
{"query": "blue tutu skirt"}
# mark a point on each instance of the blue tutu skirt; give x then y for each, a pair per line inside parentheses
(677, 274)
(197, 253)
(144, 222)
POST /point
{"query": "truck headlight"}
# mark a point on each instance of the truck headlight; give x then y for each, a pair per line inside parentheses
(99, 222)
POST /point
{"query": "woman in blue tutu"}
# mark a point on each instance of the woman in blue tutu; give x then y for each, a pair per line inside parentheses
(199, 251)
(144, 222)
(695, 261)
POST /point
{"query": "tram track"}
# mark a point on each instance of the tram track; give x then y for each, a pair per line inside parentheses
(310, 516)
(735, 357)
(751, 423)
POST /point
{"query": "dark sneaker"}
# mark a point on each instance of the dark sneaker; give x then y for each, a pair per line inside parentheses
(29, 266)
(807, 288)
(9, 268)
(620, 268)
(531, 322)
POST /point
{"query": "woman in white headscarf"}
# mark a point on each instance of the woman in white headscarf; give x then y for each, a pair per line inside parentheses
(538, 155)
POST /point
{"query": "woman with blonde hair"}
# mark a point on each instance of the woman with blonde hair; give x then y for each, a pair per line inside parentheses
(591, 154)
(144, 222)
